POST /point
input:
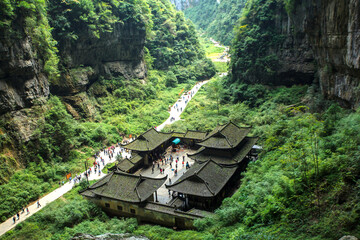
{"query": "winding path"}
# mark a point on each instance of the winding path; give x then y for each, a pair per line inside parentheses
(52, 196)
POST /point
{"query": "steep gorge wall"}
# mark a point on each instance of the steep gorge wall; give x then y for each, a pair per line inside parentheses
(333, 28)
(24, 85)
(113, 54)
(322, 41)
(22, 80)
(299, 42)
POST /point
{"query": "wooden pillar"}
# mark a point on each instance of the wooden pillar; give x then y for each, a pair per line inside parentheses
(146, 160)
(156, 198)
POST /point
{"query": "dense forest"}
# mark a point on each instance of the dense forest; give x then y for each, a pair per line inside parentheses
(66, 92)
(216, 20)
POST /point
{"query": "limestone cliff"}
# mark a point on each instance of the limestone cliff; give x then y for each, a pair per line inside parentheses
(333, 28)
(323, 40)
(22, 80)
(113, 54)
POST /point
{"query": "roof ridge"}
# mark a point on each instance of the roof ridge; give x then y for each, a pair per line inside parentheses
(202, 167)
(208, 187)
(112, 173)
(205, 182)
(228, 141)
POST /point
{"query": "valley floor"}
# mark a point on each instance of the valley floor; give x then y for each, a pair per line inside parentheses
(163, 196)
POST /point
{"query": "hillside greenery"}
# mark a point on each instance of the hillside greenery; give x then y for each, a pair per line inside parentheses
(60, 144)
(304, 185)
(216, 20)
(253, 60)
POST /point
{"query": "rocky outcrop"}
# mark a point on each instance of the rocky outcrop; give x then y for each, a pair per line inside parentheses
(22, 124)
(113, 54)
(22, 81)
(348, 237)
(323, 39)
(333, 28)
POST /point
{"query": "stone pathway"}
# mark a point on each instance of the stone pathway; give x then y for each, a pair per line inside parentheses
(162, 193)
(180, 105)
(52, 196)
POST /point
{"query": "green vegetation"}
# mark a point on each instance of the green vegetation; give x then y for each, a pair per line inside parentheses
(304, 184)
(60, 145)
(70, 18)
(216, 20)
(31, 16)
(65, 217)
(251, 60)
(134, 107)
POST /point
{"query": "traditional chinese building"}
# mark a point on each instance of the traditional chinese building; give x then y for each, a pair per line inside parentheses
(219, 159)
(150, 144)
(128, 195)
(223, 154)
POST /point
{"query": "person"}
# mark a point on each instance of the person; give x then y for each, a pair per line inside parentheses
(169, 192)
(14, 219)
(27, 210)
(23, 210)
(169, 180)
(18, 216)
(160, 170)
(38, 203)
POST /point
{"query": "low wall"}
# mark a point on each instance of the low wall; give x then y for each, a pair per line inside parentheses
(150, 212)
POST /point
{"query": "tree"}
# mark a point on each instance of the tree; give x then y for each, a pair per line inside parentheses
(215, 91)
(170, 79)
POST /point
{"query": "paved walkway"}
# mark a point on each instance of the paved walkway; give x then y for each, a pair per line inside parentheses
(9, 224)
(175, 113)
(162, 192)
(180, 105)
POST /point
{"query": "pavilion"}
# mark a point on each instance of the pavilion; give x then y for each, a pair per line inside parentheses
(223, 155)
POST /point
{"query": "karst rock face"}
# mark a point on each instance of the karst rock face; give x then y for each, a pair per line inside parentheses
(334, 32)
(322, 41)
(22, 81)
(113, 54)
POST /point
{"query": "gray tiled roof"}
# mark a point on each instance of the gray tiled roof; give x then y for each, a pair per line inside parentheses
(204, 154)
(195, 135)
(124, 187)
(127, 164)
(225, 136)
(204, 179)
(148, 141)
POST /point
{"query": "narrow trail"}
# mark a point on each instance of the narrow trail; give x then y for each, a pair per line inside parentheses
(180, 105)
(52, 196)
(224, 56)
